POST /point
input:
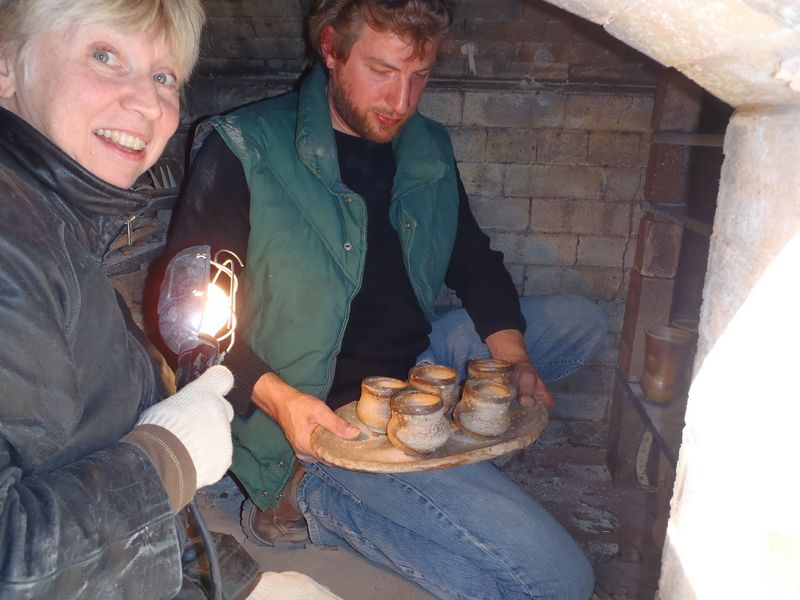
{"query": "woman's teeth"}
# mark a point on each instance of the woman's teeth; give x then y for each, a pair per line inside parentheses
(125, 140)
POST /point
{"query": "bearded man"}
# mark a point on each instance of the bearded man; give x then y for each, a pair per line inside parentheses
(348, 206)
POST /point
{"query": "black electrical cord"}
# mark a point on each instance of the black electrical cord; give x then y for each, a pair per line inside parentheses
(211, 551)
(191, 365)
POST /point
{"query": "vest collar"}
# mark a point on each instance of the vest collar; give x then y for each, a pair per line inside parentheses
(419, 160)
(314, 139)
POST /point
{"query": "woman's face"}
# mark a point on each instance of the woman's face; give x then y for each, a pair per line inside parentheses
(106, 97)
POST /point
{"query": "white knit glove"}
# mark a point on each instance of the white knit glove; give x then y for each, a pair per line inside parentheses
(200, 417)
(290, 585)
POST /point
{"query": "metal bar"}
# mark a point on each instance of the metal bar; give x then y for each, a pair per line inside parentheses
(651, 416)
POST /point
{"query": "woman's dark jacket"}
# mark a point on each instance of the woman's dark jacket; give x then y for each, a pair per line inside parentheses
(81, 513)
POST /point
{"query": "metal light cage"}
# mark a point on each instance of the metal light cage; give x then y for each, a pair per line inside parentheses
(184, 296)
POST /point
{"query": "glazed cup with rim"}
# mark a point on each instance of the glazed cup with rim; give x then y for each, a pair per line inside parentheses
(667, 351)
(374, 405)
(436, 379)
(493, 369)
(418, 424)
(484, 409)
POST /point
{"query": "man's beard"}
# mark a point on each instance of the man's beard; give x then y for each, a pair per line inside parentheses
(358, 120)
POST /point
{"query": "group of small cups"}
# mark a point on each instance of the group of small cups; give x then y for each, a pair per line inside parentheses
(416, 414)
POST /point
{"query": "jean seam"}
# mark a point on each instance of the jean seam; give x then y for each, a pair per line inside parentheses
(468, 536)
(566, 361)
(333, 482)
(570, 362)
(313, 528)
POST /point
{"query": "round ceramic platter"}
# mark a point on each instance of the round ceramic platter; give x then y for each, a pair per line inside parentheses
(371, 452)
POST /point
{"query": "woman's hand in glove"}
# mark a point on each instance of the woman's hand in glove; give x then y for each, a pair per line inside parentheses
(200, 416)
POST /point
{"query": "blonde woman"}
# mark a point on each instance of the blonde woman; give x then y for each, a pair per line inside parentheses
(95, 463)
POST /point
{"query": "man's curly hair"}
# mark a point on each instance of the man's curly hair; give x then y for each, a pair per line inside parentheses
(420, 21)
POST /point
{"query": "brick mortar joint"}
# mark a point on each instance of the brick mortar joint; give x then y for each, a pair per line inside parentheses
(471, 84)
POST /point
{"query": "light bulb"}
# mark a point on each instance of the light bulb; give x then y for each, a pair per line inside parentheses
(217, 311)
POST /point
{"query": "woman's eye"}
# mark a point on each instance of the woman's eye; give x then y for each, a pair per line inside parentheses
(167, 79)
(104, 56)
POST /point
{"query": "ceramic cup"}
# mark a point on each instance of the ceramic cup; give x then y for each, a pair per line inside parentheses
(418, 424)
(494, 369)
(667, 351)
(436, 379)
(484, 408)
(374, 405)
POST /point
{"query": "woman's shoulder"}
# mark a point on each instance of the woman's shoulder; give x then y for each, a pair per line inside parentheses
(33, 256)
(26, 214)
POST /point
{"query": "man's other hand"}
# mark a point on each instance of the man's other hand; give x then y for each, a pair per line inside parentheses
(530, 387)
(509, 344)
(298, 414)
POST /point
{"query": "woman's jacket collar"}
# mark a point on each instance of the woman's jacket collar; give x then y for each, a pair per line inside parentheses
(96, 210)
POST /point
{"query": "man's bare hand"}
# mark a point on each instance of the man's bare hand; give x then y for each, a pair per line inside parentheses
(509, 344)
(298, 414)
(530, 387)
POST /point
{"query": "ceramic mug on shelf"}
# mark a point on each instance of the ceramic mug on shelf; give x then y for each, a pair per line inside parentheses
(418, 424)
(436, 379)
(667, 351)
(484, 408)
(374, 405)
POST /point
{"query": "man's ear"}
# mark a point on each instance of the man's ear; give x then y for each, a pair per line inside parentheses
(7, 83)
(327, 45)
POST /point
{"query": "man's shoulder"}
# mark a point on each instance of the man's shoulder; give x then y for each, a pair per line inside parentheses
(256, 125)
(423, 129)
(276, 107)
(432, 125)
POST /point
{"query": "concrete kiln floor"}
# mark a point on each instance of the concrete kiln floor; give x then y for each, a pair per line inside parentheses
(611, 524)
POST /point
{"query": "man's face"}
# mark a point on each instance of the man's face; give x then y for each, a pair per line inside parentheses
(378, 88)
(108, 98)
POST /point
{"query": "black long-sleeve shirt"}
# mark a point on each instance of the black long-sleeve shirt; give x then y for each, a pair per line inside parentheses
(387, 329)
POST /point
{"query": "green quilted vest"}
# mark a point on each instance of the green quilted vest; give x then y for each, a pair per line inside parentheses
(307, 244)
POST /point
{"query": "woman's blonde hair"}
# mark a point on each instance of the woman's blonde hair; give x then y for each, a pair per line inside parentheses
(180, 23)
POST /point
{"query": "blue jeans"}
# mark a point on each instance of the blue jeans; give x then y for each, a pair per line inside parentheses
(563, 333)
(467, 532)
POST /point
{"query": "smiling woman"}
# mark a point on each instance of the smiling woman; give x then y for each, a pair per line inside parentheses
(106, 93)
(96, 462)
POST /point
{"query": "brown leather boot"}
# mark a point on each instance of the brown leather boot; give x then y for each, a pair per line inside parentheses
(283, 524)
